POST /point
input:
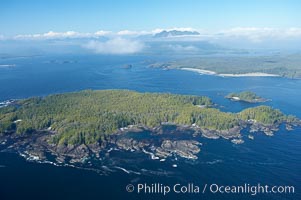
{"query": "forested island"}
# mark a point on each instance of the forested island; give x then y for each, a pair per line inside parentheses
(239, 66)
(80, 123)
(246, 96)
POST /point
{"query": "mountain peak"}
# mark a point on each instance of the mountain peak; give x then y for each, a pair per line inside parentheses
(173, 33)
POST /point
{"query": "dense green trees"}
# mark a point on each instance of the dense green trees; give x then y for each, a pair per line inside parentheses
(283, 65)
(87, 116)
(246, 95)
(263, 114)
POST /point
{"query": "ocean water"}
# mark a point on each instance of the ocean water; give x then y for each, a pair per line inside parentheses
(266, 160)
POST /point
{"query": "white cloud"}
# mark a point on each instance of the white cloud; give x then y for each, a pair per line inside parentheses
(128, 32)
(254, 34)
(115, 46)
(62, 35)
(180, 48)
(251, 34)
(291, 33)
(154, 31)
(54, 35)
(102, 33)
(257, 35)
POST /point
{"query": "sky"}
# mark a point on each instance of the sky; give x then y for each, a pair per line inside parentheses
(34, 16)
(128, 26)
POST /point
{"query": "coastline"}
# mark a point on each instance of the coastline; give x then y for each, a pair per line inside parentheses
(200, 71)
(253, 74)
(208, 72)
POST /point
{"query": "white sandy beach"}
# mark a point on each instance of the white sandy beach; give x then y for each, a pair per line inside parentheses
(208, 72)
(259, 74)
(201, 71)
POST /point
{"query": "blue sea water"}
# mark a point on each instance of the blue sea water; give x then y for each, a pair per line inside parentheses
(266, 160)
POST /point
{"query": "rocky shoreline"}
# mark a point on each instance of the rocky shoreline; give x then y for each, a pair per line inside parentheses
(158, 144)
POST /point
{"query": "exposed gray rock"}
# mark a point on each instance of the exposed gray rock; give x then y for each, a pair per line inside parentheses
(183, 148)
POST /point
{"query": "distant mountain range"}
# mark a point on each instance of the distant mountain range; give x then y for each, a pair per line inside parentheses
(173, 33)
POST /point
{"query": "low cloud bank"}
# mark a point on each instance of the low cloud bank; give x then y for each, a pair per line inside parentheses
(115, 46)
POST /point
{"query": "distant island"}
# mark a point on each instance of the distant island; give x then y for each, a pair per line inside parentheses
(246, 96)
(74, 126)
(238, 66)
